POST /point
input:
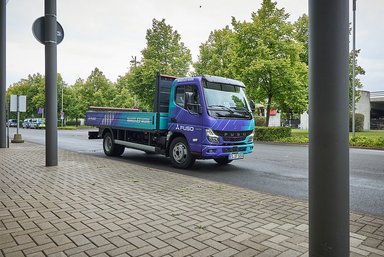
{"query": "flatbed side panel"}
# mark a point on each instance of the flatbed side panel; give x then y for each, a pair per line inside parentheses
(128, 120)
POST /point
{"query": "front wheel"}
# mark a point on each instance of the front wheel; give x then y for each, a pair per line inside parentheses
(109, 146)
(180, 154)
(222, 160)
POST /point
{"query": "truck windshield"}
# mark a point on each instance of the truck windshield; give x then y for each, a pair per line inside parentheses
(225, 100)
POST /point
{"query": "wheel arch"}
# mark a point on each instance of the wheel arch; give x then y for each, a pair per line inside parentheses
(111, 148)
(171, 138)
(105, 131)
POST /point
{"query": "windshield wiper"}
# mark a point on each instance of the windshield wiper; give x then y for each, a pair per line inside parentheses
(243, 109)
(222, 107)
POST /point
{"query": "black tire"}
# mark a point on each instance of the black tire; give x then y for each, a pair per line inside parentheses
(222, 160)
(180, 154)
(119, 150)
(109, 146)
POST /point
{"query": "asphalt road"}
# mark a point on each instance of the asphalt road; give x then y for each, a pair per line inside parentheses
(272, 168)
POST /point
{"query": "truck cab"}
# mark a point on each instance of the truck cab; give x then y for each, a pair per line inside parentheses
(209, 118)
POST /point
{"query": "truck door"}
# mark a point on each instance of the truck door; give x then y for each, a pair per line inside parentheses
(186, 118)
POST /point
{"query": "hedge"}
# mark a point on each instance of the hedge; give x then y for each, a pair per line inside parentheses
(297, 140)
(367, 142)
(359, 122)
(72, 123)
(272, 133)
(259, 121)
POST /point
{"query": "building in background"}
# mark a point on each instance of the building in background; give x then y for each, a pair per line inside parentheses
(377, 110)
(363, 106)
(370, 104)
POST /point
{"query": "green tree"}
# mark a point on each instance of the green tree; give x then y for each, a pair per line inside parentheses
(301, 34)
(358, 72)
(124, 98)
(33, 88)
(97, 90)
(164, 53)
(268, 59)
(62, 97)
(217, 54)
(75, 107)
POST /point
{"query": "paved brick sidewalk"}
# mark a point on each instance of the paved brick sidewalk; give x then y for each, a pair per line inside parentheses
(90, 206)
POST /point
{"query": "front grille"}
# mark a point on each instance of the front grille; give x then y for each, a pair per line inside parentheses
(233, 136)
(234, 149)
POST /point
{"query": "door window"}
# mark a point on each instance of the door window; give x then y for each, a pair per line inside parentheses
(180, 94)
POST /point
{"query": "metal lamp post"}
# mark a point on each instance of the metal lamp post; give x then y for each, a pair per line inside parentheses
(329, 131)
(353, 68)
(50, 40)
(62, 104)
(49, 32)
(3, 140)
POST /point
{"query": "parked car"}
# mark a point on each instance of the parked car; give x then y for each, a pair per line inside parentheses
(27, 123)
(37, 123)
(12, 123)
(42, 124)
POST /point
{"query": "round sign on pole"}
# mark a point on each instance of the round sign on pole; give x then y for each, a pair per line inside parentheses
(38, 29)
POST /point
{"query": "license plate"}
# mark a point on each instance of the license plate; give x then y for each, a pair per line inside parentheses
(235, 156)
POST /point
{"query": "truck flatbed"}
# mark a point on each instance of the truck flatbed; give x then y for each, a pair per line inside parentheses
(126, 119)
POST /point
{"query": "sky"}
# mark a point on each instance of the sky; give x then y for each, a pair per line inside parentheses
(106, 34)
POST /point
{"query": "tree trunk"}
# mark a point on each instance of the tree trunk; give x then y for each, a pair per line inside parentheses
(268, 111)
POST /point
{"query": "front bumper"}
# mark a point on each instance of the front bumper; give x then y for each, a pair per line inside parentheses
(214, 151)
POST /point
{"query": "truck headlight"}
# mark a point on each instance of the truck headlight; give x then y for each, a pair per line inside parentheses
(212, 137)
(250, 138)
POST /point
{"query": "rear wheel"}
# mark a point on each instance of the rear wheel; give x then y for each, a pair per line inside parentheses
(119, 150)
(109, 146)
(180, 154)
(222, 160)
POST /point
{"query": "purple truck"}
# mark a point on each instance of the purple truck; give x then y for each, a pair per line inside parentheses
(202, 117)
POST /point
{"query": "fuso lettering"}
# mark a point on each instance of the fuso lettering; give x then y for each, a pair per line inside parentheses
(185, 128)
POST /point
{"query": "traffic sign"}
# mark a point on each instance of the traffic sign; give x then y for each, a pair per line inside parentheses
(18, 103)
(38, 30)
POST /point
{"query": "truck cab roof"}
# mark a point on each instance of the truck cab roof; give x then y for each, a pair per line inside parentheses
(213, 79)
(217, 79)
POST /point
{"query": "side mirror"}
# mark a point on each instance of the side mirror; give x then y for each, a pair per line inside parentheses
(199, 108)
(188, 99)
(252, 105)
(190, 105)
